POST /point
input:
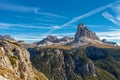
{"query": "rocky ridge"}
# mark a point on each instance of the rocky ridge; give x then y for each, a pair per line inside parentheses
(15, 63)
(53, 40)
(6, 37)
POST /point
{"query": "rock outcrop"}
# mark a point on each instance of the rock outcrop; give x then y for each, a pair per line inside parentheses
(85, 37)
(6, 37)
(53, 40)
(15, 63)
(66, 38)
(109, 42)
(84, 33)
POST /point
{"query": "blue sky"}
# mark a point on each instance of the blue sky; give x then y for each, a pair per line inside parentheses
(33, 20)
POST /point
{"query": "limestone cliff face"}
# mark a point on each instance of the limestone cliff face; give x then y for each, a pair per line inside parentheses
(15, 63)
(84, 33)
(60, 64)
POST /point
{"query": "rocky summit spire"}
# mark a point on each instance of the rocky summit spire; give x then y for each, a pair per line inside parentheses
(84, 33)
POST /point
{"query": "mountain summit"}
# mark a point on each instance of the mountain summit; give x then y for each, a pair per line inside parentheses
(84, 37)
(84, 33)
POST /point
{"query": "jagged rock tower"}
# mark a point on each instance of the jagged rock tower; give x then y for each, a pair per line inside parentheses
(83, 33)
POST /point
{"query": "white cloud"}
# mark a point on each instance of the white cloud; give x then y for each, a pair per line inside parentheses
(9, 25)
(51, 14)
(110, 35)
(118, 18)
(115, 18)
(111, 18)
(116, 9)
(37, 11)
(89, 14)
(22, 8)
(62, 34)
(28, 37)
(44, 20)
(6, 24)
(16, 7)
(75, 19)
(55, 27)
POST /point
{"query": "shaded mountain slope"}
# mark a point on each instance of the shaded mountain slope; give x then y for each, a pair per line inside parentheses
(78, 64)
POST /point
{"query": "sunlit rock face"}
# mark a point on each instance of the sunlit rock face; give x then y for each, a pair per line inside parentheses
(15, 63)
(6, 37)
(84, 33)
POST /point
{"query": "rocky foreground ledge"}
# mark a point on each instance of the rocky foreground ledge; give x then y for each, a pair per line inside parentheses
(15, 63)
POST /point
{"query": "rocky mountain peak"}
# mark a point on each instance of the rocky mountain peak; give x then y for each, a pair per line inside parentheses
(80, 25)
(51, 38)
(84, 33)
(6, 37)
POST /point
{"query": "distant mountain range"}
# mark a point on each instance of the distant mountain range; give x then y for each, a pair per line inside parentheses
(53, 40)
(82, 37)
(84, 57)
